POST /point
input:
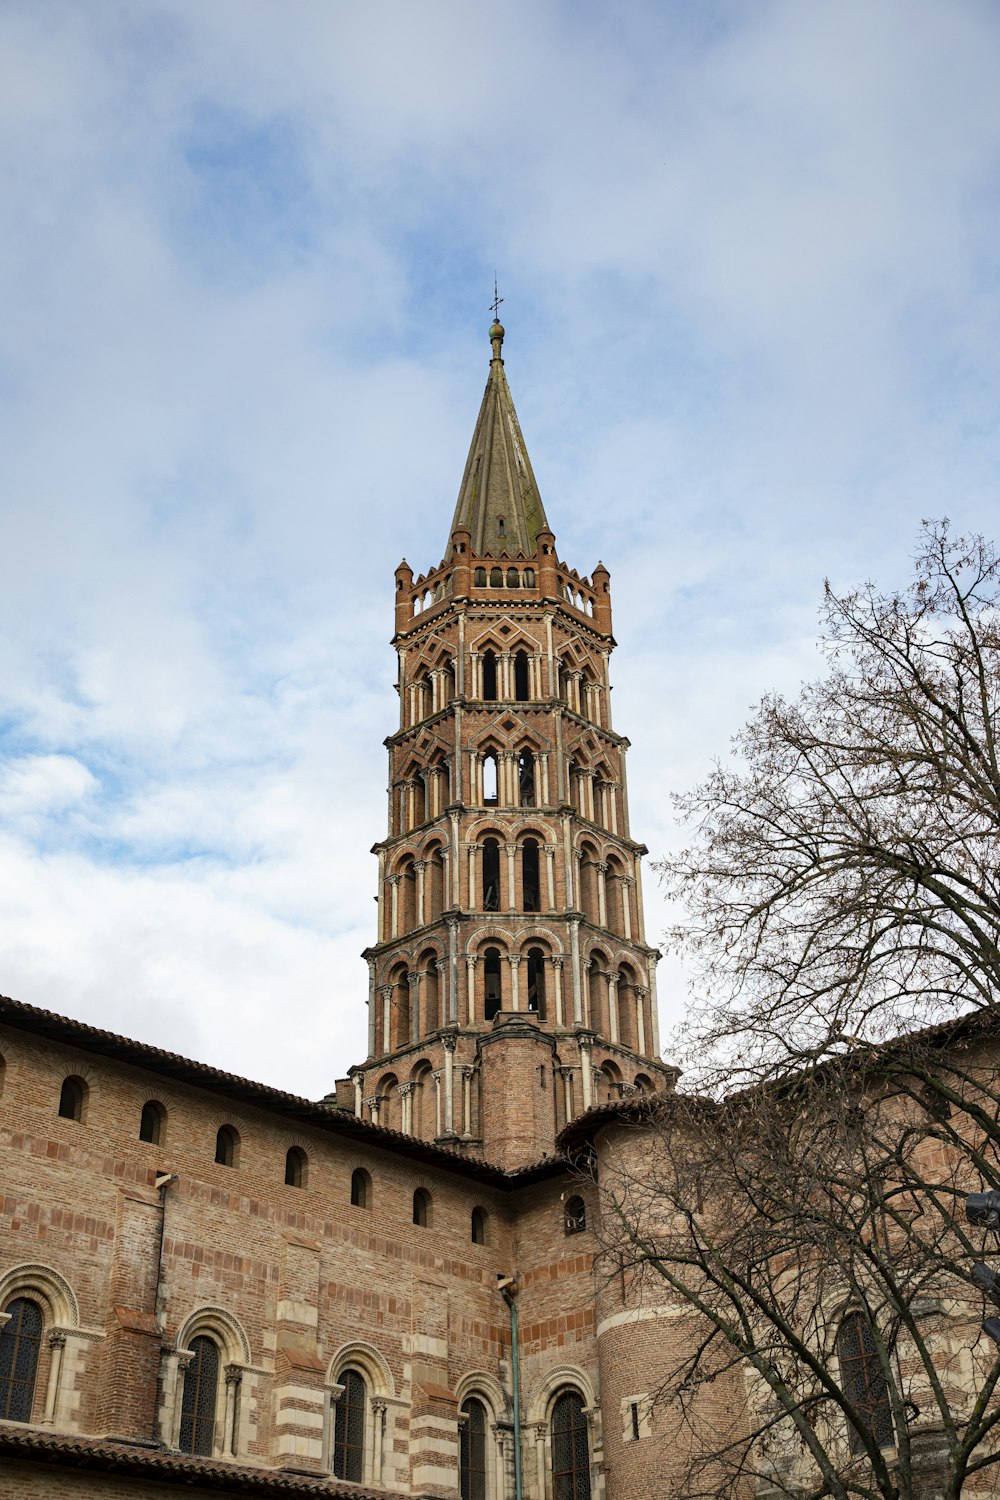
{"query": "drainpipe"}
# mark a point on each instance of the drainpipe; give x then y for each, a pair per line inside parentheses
(163, 1181)
(508, 1291)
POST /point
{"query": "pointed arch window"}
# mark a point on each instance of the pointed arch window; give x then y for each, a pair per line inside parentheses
(491, 978)
(491, 875)
(472, 1450)
(20, 1342)
(349, 1428)
(530, 884)
(198, 1402)
(521, 676)
(570, 1449)
(526, 778)
(490, 674)
(864, 1383)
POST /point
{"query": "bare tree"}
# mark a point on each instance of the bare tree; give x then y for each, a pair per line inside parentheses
(812, 1242)
(843, 880)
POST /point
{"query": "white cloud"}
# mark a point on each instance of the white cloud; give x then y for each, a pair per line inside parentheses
(748, 257)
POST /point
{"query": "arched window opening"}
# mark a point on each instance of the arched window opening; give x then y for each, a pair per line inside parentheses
(72, 1097)
(496, 578)
(422, 1208)
(574, 1215)
(151, 1122)
(513, 578)
(526, 778)
(478, 1226)
(491, 979)
(198, 1401)
(361, 1188)
(479, 578)
(570, 1449)
(448, 682)
(529, 578)
(501, 526)
(349, 1428)
(490, 675)
(530, 882)
(430, 994)
(472, 1450)
(643, 1083)
(521, 676)
(227, 1144)
(610, 1085)
(20, 1343)
(490, 777)
(597, 985)
(296, 1166)
(434, 875)
(491, 875)
(626, 1007)
(407, 897)
(864, 1383)
(536, 982)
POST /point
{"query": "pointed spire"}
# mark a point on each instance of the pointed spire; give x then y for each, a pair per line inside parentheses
(498, 500)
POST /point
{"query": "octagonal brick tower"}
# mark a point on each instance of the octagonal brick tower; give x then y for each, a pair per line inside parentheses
(511, 985)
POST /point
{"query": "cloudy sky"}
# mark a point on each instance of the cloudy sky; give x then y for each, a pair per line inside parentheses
(749, 259)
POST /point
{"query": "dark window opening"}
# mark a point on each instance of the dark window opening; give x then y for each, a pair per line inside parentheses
(530, 880)
(521, 676)
(361, 1188)
(489, 676)
(491, 975)
(472, 1451)
(575, 1216)
(295, 1167)
(635, 1420)
(151, 1122)
(71, 1097)
(201, 1383)
(513, 578)
(478, 1226)
(864, 1382)
(536, 982)
(422, 1208)
(226, 1143)
(570, 1449)
(529, 578)
(20, 1343)
(480, 578)
(496, 578)
(491, 875)
(526, 778)
(501, 528)
(349, 1429)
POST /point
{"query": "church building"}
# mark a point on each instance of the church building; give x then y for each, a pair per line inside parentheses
(211, 1286)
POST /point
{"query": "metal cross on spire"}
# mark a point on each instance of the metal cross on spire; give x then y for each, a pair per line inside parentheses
(497, 299)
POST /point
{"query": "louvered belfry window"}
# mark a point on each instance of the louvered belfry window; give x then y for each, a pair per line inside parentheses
(472, 1453)
(349, 1429)
(864, 1381)
(20, 1341)
(201, 1385)
(570, 1450)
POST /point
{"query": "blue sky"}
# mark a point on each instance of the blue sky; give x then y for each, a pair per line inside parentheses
(749, 260)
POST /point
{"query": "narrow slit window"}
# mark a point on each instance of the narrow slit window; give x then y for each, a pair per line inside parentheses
(530, 887)
(491, 979)
(526, 778)
(521, 676)
(536, 982)
(489, 676)
(490, 778)
(491, 875)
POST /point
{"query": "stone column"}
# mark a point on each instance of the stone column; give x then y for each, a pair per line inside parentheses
(57, 1344)
(541, 1433)
(420, 865)
(405, 1091)
(507, 780)
(515, 992)
(627, 885)
(393, 883)
(511, 852)
(505, 672)
(557, 986)
(452, 1011)
(574, 938)
(654, 1019)
(359, 1084)
(550, 875)
(612, 1007)
(385, 990)
(470, 990)
(587, 1070)
(234, 1379)
(448, 1043)
(379, 1408)
(602, 896)
(174, 1379)
(436, 1075)
(640, 1019)
(467, 1075)
(372, 1007)
(413, 979)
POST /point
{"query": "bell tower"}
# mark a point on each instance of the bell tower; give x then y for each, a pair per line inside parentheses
(511, 985)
